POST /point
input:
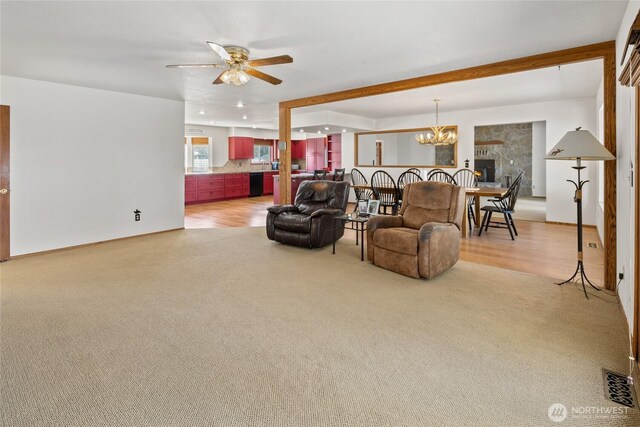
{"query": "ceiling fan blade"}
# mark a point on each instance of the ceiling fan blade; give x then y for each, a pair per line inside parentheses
(218, 80)
(262, 76)
(282, 59)
(221, 51)
(195, 66)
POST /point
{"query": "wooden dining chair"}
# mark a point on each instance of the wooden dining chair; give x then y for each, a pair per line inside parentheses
(468, 179)
(431, 172)
(319, 174)
(385, 189)
(357, 178)
(441, 176)
(505, 205)
(338, 175)
(405, 178)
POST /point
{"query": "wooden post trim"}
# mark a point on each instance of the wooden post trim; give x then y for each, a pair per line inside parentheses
(285, 155)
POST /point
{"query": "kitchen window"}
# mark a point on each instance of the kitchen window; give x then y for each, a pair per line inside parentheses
(200, 154)
(262, 151)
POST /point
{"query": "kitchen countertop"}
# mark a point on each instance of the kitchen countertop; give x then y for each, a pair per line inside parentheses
(227, 172)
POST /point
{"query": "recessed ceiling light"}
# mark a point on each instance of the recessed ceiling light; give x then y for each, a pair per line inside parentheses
(211, 122)
(253, 127)
(344, 130)
(244, 117)
(201, 111)
(318, 132)
(239, 104)
(326, 128)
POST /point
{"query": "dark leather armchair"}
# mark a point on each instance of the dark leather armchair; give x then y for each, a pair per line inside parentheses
(309, 222)
(424, 240)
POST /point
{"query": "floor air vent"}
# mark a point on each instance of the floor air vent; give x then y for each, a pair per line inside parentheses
(617, 390)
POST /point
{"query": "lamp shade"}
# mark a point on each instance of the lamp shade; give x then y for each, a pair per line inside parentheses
(579, 144)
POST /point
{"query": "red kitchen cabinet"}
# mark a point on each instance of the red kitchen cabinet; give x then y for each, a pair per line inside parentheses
(233, 185)
(209, 187)
(298, 149)
(315, 154)
(267, 182)
(240, 147)
(212, 187)
(312, 146)
(311, 162)
(245, 184)
(190, 188)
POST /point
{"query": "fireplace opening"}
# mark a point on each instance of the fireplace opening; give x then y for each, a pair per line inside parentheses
(485, 170)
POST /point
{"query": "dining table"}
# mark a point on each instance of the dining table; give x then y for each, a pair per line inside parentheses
(476, 192)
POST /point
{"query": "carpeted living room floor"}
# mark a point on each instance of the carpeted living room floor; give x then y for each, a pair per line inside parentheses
(221, 327)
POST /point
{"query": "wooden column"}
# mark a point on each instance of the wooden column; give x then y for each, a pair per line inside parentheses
(285, 155)
(610, 262)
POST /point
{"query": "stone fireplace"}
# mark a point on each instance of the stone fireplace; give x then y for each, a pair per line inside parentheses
(485, 170)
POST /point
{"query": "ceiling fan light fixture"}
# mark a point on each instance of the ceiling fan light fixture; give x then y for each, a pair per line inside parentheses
(235, 76)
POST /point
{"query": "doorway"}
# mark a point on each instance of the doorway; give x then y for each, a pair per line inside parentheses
(503, 151)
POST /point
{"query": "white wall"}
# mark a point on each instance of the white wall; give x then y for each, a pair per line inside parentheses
(82, 160)
(302, 119)
(538, 162)
(254, 133)
(560, 117)
(625, 154)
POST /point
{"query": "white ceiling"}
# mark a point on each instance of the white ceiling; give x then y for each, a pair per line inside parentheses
(569, 81)
(124, 46)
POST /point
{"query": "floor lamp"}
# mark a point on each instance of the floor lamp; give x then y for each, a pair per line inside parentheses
(579, 145)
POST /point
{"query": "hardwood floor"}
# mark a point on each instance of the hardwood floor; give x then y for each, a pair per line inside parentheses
(541, 248)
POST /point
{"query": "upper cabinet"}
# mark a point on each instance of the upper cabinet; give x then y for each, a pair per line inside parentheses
(315, 146)
(240, 147)
(298, 149)
(315, 153)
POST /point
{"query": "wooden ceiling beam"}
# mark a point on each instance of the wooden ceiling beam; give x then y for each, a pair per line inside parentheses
(527, 63)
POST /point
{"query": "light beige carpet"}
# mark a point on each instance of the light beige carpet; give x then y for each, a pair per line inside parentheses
(225, 328)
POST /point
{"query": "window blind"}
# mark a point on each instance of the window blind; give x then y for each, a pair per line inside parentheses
(630, 75)
(199, 141)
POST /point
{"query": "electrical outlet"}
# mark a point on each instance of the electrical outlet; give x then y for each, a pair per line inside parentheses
(620, 276)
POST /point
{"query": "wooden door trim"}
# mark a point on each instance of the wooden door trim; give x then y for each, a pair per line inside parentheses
(5, 199)
(605, 51)
(635, 332)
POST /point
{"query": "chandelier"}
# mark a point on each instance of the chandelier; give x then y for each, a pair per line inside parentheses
(235, 75)
(437, 135)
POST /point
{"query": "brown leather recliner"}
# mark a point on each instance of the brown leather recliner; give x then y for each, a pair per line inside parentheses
(424, 239)
(310, 221)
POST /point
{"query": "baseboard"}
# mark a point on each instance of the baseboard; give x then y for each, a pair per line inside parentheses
(91, 244)
(570, 223)
(635, 373)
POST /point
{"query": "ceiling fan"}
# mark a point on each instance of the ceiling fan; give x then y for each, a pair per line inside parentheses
(238, 66)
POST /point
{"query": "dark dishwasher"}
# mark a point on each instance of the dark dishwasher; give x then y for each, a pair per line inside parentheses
(255, 184)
